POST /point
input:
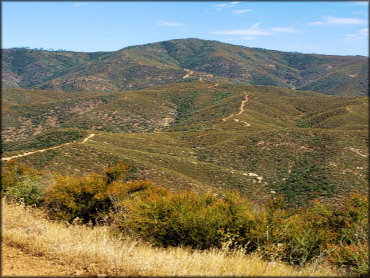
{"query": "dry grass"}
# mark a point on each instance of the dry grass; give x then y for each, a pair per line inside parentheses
(97, 251)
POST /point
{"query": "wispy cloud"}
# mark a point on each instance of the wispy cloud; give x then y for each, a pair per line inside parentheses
(169, 23)
(242, 11)
(285, 30)
(360, 35)
(225, 5)
(344, 20)
(339, 21)
(80, 4)
(316, 23)
(254, 31)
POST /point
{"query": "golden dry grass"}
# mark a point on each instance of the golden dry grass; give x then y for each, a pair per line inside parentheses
(97, 251)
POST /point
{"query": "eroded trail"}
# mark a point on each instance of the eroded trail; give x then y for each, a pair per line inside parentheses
(241, 110)
(189, 72)
(46, 149)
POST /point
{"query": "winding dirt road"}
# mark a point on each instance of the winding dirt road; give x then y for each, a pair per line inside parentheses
(241, 110)
(189, 72)
(87, 138)
(46, 149)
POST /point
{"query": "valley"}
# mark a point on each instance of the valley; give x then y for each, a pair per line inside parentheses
(195, 135)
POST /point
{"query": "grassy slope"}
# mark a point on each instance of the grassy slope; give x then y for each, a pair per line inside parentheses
(143, 66)
(28, 112)
(287, 134)
(98, 251)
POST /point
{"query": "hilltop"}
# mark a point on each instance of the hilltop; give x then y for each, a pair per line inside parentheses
(143, 66)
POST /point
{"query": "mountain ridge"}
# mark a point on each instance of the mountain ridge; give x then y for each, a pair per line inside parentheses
(141, 66)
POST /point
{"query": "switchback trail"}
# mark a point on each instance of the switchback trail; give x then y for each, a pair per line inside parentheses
(241, 110)
(189, 72)
(46, 149)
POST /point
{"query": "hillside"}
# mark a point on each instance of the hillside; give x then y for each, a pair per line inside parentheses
(144, 66)
(32, 246)
(201, 135)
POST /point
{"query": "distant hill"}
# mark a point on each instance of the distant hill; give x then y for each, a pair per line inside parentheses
(143, 66)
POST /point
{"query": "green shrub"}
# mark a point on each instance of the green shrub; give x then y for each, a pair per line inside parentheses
(82, 197)
(30, 191)
(117, 171)
(86, 197)
(203, 221)
(338, 231)
(22, 184)
(199, 221)
(355, 257)
(13, 173)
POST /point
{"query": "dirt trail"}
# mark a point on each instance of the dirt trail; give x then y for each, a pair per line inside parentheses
(189, 72)
(241, 110)
(357, 152)
(216, 85)
(46, 149)
(87, 138)
(16, 262)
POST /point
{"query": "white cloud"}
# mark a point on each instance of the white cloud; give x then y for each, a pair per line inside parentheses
(285, 30)
(338, 21)
(80, 4)
(316, 23)
(361, 34)
(225, 5)
(242, 11)
(220, 6)
(253, 31)
(169, 23)
(344, 20)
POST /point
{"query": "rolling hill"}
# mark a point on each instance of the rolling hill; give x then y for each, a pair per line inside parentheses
(143, 66)
(203, 135)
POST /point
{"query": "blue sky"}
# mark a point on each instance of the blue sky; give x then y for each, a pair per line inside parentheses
(337, 28)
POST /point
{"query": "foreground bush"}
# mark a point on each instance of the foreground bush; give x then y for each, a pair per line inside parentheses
(199, 221)
(13, 173)
(92, 197)
(22, 184)
(337, 232)
(82, 197)
(204, 221)
(98, 252)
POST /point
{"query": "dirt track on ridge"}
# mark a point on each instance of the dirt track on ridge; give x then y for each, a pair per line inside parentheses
(189, 72)
(46, 149)
(241, 110)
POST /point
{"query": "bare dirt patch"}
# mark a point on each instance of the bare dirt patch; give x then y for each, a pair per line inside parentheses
(17, 262)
